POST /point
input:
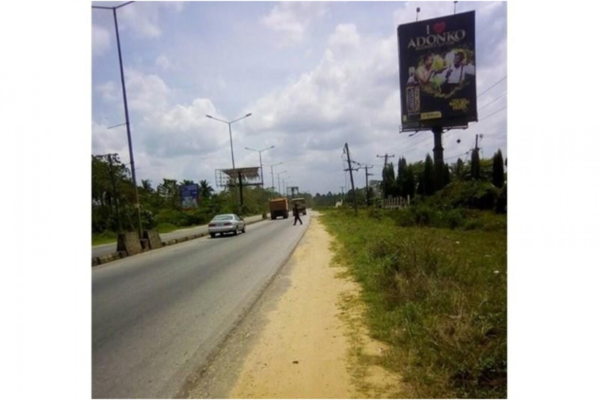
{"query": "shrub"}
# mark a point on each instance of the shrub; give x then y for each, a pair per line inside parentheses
(455, 218)
(502, 200)
(471, 194)
(174, 217)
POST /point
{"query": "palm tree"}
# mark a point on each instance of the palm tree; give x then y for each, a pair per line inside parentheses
(147, 185)
(205, 189)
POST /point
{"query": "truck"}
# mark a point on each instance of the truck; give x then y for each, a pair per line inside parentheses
(301, 205)
(279, 207)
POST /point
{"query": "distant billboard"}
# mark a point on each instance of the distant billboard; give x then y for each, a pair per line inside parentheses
(190, 196)
(437, 72)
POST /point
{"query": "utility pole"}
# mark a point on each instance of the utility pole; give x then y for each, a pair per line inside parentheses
(347, 151)
(366, 167)
(385, 157)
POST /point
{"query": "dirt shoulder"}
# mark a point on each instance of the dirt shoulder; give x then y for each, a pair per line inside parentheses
(304, 339)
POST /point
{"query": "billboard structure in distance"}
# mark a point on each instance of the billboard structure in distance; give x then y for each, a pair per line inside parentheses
(190, 196)
(250, 176)
(437, 72)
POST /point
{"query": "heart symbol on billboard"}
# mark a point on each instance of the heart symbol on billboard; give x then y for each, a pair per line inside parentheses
(439, 27)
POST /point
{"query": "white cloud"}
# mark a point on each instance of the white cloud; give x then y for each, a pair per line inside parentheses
(164, 63)
(106, 140)
(100, 40)
(292, 19)
(163, 129)
(144, 18)
(109, 91)
(345, 35)
(146, 93)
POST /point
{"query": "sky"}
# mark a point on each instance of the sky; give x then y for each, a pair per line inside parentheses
(314, 75)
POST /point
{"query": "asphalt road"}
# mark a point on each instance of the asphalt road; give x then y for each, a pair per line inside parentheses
(157, 316)
(104, 249)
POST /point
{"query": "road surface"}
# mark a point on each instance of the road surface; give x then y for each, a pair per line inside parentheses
(157, 316)
(105, 249)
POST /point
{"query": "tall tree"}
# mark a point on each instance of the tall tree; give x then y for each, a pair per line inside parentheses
(147, 185)
(389, 180)
(205, 189)
(401, 177)
(475, 165)
(409, 181)
(498, 170)
(446, 175)
(459, 169)
(428, 177)
(169, 191)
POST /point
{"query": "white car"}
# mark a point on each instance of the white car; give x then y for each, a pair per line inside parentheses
(226, 223)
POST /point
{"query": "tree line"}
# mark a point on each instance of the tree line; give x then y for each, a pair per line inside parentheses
(113, 200)
(423, 179)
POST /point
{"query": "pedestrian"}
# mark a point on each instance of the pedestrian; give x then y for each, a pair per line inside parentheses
(296, 214)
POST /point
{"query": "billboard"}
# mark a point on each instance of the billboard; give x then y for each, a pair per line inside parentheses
(190, 196)
(437, 72)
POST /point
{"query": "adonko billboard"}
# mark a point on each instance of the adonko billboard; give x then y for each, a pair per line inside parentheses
(437, 72)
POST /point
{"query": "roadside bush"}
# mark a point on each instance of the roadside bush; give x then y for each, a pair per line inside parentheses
(376, 214)
(502, 200)
(405, 217)
(455, 218)
(174, 217)
(425, 215)
(470, 194)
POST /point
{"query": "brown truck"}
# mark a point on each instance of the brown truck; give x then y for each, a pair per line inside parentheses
(279, 208)
(301, 205)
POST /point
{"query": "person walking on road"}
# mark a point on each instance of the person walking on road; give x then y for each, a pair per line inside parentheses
(296, 214)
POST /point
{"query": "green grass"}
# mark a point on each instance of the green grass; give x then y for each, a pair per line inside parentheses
(103, 238)
(437, 296)
(166, 227)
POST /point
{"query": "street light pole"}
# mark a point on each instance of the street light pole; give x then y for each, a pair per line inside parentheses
(231, 144)
(273, 175)
(230, 135)
(279, 180)
(132, 161)
(262, 177)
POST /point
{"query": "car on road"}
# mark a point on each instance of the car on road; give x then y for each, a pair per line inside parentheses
(226, 223)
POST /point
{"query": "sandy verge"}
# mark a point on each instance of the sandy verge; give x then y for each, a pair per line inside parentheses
(314, 343)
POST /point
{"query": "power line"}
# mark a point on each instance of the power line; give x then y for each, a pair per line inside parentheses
(490, 88)
(489, 115)
(457, 156)
(493, 101)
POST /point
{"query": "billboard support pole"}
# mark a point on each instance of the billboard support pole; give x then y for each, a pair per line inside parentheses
(438, 150)
(438, 157)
